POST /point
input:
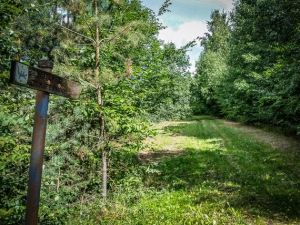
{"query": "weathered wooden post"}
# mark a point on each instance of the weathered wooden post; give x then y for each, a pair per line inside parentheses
(37, 150)
(44, 82)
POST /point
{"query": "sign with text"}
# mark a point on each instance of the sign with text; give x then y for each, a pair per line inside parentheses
(34, 78)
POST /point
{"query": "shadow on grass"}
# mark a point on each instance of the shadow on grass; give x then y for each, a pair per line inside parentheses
(246, 175)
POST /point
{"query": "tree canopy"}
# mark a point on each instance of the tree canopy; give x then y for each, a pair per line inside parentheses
(129, 76)
(248, 70)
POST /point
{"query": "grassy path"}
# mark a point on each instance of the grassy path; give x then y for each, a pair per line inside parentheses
(212, 171)
(218, 172)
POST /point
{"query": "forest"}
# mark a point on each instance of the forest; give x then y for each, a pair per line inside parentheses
(248, 72)
(249, 68)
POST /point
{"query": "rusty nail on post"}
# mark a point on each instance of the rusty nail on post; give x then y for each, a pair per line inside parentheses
(37, 150)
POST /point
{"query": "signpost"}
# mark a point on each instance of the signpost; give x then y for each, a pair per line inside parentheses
(44, 82)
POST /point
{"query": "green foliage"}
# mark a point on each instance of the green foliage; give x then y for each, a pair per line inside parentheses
(265, 63)
(141, 79)
(163, 82)
(249, 72)
(15, 128)
(212, 66)
(8, 9)
(164, 8)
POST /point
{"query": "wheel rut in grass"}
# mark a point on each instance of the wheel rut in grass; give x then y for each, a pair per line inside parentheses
(218, 162)
(226, 141)
(169, 142)
(276, 141)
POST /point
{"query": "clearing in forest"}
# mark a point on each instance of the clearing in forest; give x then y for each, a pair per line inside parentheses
(210, 171)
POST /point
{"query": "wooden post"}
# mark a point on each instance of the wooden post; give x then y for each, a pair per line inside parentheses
(45, 83)
(37, 151)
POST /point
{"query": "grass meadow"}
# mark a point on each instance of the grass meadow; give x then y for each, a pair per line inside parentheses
(203, 171)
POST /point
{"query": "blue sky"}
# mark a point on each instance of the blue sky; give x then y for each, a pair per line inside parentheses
(186, 21)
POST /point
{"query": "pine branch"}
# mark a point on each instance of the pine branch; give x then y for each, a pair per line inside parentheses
(76, 33)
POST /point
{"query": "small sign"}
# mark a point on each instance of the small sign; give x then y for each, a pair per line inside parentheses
(34, 78)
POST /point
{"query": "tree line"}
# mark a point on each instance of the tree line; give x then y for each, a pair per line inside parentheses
(249, 69)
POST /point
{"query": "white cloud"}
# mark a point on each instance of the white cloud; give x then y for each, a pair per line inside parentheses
(187, 21)
(183, 34)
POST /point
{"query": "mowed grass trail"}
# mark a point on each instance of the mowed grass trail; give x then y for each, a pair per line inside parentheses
(206, 172)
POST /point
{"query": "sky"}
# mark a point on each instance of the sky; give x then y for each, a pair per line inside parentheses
(187, 21)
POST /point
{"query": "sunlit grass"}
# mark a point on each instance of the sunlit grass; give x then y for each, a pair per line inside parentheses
(215, 175)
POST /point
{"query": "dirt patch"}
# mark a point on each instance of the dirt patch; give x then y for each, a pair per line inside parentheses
(276, 141)
(147, 157)
(165, 144)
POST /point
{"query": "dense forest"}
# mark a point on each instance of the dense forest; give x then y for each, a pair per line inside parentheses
(248, 71)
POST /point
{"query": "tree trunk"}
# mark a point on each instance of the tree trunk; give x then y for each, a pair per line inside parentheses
(97, 47)
(100, 103)
(104, 165)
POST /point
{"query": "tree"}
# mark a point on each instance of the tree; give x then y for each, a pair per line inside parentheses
(119, 27)
(129, 78)
(212, 65)
(8, 50)
(262, 61)
(258, 79)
